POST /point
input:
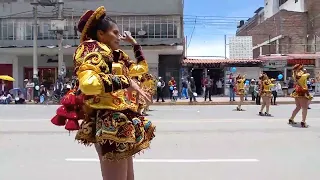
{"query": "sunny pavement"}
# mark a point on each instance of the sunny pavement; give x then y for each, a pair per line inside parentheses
(192, 142)
(226, 101)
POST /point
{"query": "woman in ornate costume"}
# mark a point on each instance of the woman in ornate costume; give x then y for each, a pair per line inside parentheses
(266, 94)
(300, 94)
(106, 98)
(240, 80)
(148, 85)
(142, 101)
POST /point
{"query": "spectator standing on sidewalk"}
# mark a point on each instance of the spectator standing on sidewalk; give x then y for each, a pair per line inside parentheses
(172, 83)
(160, 86)
(274, 91)
(208, 83)
(219, 85)
(30, 88)
(175, 94)
(184, 91)
(231, 89)
(257, 93)
(251, 89)
(192, 89)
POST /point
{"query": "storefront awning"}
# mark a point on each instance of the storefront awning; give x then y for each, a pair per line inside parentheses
(278, 57)
(219, 61)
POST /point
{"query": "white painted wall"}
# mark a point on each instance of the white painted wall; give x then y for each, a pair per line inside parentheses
(291, 5)
(271, 7)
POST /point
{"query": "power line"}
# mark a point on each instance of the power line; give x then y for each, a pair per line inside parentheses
(194, 27)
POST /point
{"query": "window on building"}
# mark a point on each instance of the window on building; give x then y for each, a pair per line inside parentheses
(154, 26)
(1, 29)
(10, 30)
(4, 28)
(29, 31)
(45, 30)
(161, 27)
(296, 1)
(282, 2)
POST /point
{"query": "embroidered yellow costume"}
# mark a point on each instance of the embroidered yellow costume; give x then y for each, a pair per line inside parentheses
(108, 109)
(148, 84)
(266, 85)
(300, 78)
(240, 84)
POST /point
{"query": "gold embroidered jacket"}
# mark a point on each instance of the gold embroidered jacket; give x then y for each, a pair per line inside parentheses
(301, 79)
(104, 74)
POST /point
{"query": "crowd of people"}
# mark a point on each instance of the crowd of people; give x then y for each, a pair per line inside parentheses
(187, 90)
(8, 96)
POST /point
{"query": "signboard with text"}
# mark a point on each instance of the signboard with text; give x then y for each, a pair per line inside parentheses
(305, 62)
(275, 64)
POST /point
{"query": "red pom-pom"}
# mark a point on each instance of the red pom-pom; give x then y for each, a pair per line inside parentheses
(80, 99)
(58, 120)
(68, 100)
(62, 111)
(72, 125)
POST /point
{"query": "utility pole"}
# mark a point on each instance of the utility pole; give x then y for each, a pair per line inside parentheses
(35, 38)
(225, 46)
(61, 66)
(35, 49)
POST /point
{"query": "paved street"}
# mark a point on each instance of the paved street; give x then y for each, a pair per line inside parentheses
(225, 101)
(192, 142)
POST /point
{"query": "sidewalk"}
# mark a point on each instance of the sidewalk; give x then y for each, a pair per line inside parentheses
(225, 101)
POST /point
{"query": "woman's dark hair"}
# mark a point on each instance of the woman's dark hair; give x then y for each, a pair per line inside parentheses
(103, 24)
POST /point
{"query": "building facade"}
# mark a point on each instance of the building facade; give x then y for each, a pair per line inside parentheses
(284, 27)
(287, 28)
(157, 26)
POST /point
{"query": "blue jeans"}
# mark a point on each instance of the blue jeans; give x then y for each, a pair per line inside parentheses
(184, 93)
(231, 94)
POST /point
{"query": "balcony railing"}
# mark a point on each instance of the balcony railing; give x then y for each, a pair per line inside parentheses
(156, 27)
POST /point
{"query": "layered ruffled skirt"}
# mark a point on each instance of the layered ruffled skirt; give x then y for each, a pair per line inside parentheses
(240, 92)
(266, 94)
(300, 92)
(120, 134)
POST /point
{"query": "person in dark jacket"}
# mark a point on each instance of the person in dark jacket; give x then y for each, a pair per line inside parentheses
(184, 91)
(192, 89)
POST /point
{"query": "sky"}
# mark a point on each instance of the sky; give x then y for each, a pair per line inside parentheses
(214, 19)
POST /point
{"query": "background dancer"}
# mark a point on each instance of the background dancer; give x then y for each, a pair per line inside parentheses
(300, 94)
(240, 89)
(265, 93)
(110, 121)
(149, 86)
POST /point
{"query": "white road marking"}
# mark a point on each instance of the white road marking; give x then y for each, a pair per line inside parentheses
(169, 160)
(229, 120)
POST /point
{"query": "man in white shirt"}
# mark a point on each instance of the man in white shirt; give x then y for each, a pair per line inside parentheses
(219, 87)
(274, 90)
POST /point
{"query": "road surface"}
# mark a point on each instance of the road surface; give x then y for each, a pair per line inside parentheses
(192, 142)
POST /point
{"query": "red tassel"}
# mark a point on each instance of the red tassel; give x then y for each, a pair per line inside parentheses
(58, 120)
(80, 99)
(69, 100)
(62, 111)
(72, 125)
